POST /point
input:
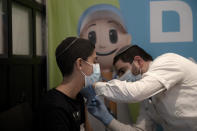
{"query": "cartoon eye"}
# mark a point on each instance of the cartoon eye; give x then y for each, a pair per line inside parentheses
(92, 37)
(113, 36)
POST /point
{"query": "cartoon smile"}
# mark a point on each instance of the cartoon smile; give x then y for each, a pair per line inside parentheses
(107, 53)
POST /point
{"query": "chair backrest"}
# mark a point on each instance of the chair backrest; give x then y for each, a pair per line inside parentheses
(18, 117)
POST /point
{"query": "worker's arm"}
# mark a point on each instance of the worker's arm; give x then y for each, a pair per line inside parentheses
(122, 91)
(87, 123)
(162, 75)
(89, 94)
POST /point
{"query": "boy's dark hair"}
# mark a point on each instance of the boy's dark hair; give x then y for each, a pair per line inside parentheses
(69, 50)
(127, 54)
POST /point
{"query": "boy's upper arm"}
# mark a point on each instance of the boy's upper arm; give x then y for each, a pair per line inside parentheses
(87, 123)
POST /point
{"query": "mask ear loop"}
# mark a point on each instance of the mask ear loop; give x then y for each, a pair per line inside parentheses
(90, 65)
(87, 63)
(82, 71)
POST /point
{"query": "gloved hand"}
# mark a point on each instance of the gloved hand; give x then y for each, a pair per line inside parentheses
(97, 108)
(88, 93)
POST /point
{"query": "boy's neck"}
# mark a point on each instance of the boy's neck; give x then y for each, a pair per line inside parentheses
(71, 89)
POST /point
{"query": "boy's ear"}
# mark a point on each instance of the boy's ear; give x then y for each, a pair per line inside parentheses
(78, 63)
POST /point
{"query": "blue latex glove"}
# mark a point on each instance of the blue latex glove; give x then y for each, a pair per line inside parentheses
(88, 93)
(98, 109)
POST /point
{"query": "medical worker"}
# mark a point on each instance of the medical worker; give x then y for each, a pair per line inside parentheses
(168, 85)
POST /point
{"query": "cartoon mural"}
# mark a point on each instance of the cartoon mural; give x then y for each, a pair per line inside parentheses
(104, 25)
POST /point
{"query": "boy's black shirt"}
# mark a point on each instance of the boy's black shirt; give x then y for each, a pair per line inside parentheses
(58, 112)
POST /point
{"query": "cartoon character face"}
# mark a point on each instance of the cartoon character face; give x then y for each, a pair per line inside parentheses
(108, 37)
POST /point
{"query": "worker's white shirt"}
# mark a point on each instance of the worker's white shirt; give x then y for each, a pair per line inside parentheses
(171, 81)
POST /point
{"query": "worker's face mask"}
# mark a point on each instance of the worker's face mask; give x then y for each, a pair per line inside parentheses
(94, 77)
(129, 77)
